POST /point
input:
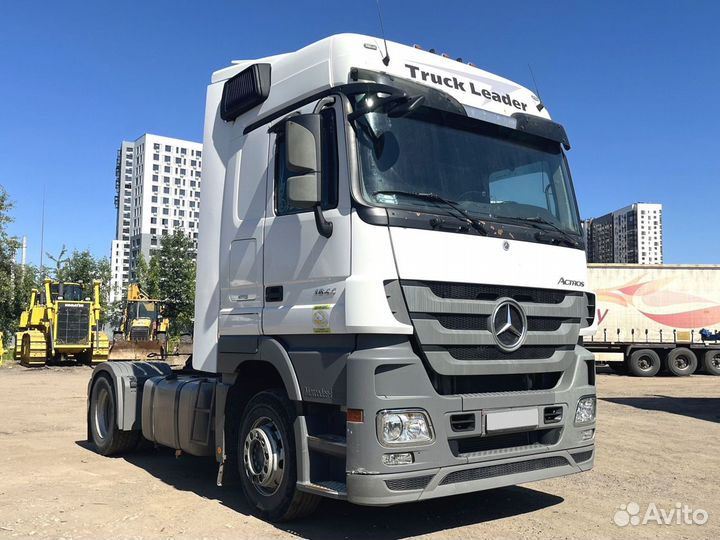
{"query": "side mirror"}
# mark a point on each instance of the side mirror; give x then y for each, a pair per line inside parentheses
(304, 191)
(303, 158)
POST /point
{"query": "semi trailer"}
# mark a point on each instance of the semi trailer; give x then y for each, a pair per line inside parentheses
(656, 318)
(391, 288)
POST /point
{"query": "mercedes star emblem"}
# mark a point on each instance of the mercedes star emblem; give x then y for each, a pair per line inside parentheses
(508, 325)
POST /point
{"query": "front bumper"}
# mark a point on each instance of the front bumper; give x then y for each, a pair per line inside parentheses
(393, 377)
(387, 489)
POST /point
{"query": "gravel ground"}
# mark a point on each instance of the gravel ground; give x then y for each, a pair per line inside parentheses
(658, 443)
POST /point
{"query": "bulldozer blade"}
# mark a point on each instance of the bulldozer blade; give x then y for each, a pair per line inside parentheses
(136, 350)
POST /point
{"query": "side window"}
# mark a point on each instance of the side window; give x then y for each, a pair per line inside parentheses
(329, 167)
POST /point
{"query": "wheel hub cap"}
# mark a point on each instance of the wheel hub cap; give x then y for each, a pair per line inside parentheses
(263, 456)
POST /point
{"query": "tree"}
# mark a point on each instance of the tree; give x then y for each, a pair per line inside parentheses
(148, 275)
(8, 247)
(173, 266)
(16, 281)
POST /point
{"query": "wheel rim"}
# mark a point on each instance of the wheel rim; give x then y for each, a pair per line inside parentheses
(102, 413)
(264, 456)
(715, 361)
(646, 363)
(681, 362)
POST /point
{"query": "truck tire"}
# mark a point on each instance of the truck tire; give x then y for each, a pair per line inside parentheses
(711, 362)
(644, 363)
(267, 459)
(104, 432)
(681, 362)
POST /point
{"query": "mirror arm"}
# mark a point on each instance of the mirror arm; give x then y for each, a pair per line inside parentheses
(324, 227)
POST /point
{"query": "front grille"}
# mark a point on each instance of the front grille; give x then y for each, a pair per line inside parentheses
(454, 335)
(506, 469)
(505, 441)
(408, 484)
(582, 456)
(73, 323)
(480, 322)
(140, 334)
(481, 384)
(490, 352)
(472, 291)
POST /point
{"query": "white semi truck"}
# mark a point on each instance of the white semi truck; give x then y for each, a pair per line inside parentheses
(654, 318)
(391, 288)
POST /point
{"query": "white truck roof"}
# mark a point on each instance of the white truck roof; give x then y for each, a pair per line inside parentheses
(327, 63)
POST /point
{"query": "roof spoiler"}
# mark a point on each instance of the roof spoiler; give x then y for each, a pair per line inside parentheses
(541, 127)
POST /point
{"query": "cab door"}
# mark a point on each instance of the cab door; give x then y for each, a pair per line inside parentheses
(304, 271)
(241, 242)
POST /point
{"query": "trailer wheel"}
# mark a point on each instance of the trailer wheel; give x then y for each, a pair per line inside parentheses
(711, 362)
(267, 459)
(644, 363)
(105, 434)
(681, 362)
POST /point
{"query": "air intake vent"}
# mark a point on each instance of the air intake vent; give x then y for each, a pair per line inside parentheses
(493, 471)
(462, 422)
(244, 91)
(590, 299)
(552, 415)
(408, 484)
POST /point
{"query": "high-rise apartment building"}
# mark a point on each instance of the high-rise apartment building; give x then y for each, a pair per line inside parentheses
(630, 235)
(157, 191)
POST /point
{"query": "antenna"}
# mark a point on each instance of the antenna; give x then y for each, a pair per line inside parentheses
(540, 105)
(386, 59)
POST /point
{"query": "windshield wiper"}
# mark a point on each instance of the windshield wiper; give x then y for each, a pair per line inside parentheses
(474, 223)
(556, 233)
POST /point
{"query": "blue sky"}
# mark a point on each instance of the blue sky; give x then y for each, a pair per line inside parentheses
(635, 84)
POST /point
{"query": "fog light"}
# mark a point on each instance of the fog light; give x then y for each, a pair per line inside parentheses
(404, 427)
(585, 411)
(406, 458)
(587, 434)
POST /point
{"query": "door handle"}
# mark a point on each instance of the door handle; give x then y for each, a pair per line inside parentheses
(274, 293)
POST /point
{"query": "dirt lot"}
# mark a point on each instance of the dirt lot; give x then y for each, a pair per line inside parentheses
(658, 442)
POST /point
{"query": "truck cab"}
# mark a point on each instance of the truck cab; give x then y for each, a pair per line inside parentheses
(391, 283)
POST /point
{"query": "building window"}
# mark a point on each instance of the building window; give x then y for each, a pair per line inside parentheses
(168, 148)
(166, 169)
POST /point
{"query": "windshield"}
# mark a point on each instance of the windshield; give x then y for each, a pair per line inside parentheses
(68, 291)
(489, 171)
(146, 310)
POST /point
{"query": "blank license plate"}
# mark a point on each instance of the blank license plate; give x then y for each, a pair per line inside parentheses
(521, 418)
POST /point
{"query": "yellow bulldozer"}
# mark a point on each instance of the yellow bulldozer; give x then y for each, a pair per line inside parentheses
(143, 330)
(60, 323)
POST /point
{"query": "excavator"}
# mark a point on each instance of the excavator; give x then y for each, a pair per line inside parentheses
(61, 323)
(143, 330)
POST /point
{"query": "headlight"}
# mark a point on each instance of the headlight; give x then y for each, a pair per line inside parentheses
(585, 411)
(404, 427)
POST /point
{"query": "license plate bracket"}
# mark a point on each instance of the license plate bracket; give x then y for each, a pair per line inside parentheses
(511, 420)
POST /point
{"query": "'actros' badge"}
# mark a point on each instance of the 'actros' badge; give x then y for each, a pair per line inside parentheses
(508, 325)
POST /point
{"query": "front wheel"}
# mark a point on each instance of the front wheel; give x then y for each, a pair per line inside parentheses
(104, 432)
(267, 459)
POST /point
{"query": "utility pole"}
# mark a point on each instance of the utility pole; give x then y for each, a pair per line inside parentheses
(42, 235)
